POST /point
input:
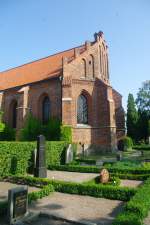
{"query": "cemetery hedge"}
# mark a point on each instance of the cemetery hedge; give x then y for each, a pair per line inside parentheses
(141, 147)
(99, 191)
(17, 157)
(137, 208)
(141, 171)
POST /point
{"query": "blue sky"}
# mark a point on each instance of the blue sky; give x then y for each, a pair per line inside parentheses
(32, 29)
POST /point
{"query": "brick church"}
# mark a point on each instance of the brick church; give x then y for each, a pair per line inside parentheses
(73, 86)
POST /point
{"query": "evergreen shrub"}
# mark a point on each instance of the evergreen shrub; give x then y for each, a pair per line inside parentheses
(125, 143)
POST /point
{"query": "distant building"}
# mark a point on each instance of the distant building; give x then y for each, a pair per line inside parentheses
(72, 85)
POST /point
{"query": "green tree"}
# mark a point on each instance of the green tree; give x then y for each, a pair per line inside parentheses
(143, 98)
(32, 128)
(143, 105)
(132, 117)
(2, 125)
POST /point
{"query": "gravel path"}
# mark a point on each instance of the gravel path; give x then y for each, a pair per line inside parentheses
(147, 220)
(79, 208)
(5, 186)
(131, 183)
(82, 177)
(70, 176)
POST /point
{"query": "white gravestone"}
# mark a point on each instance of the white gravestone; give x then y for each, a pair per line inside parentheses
(69, 154)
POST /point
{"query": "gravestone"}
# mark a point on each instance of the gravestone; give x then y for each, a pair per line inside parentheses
(119, 156)
(69, 154)
(40, 168)
(104, 176)
(17, 204)
(99, 162)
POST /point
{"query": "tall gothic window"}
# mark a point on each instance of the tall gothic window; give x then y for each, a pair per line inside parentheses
(14, 115)
(82, 110)
(46, 110)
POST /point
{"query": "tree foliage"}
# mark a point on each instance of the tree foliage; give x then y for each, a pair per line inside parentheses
(2, 125)
(143, 104)
(143, 98)
(132, 117)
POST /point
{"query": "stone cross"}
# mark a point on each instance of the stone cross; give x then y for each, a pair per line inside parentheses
(40, 169)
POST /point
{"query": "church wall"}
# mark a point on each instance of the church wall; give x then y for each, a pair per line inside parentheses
(50, 88)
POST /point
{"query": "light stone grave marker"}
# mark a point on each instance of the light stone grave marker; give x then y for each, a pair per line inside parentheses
(69, 154)
(104, 176)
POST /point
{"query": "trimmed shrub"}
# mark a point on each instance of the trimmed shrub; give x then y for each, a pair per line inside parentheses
(137, 208)
(87, 161)
(56, 152)
(127, 218)
(141, 147)
(17, 157)
(125, 144)
(66, 133)
(94, 169)
(14, 157)
(99, 191)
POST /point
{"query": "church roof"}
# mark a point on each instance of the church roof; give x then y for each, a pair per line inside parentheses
(38, 70)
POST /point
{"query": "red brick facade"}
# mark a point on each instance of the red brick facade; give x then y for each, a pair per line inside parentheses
(63, 78)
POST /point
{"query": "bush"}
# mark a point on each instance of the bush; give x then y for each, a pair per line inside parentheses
(125, 144)
(52, 130)
(94, 169)
(16, 157)
(141, 147)
(127, 218)
(2, 125)
(32, 128)
(115, 181)
(66, 133)
(56, 152)
(87, 161)
(99, 191)
(137, 208)
(8, 134)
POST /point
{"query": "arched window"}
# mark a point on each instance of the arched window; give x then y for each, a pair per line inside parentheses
(83, 68)
(45, 109)
(82, 110)
(14, 114)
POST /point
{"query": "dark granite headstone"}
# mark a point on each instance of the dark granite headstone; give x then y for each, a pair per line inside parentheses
(17, 204)
(40, 169)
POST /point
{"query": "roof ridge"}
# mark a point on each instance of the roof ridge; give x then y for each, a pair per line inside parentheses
(40, 59)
